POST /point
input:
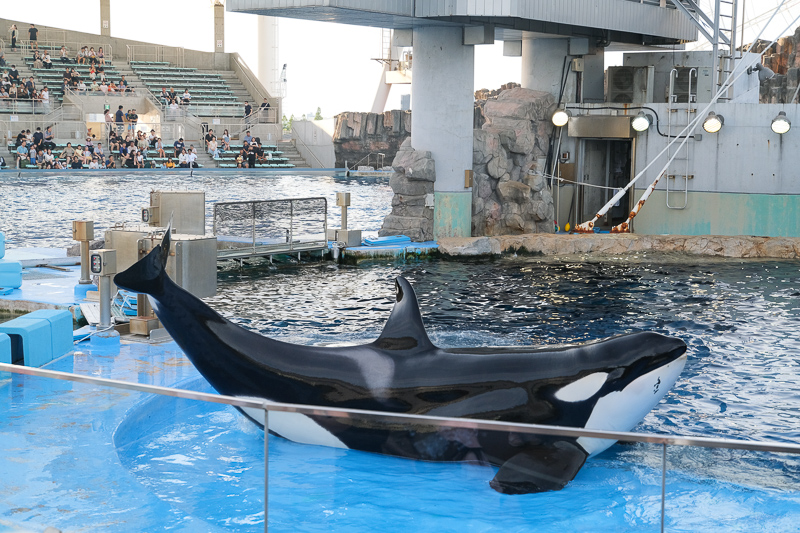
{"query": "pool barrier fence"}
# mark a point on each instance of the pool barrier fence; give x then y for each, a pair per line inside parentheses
(426, 420)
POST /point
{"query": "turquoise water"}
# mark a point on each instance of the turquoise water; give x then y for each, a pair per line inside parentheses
(739, 319)
(38, 211)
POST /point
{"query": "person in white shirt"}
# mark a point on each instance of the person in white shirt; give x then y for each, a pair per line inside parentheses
(212, 148)
(191, 159)
(94, 163)
(81, 86)
(183, 159)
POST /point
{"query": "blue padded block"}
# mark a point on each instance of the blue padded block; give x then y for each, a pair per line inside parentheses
(60, 328)
(37, 345)
(10, 274)
(5, 348)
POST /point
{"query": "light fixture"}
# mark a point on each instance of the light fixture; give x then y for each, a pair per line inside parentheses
(641, 122)
(763, 72)
(781, 124)
(713, 122)
(561, 117)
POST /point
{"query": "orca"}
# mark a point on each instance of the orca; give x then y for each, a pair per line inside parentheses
(609, 384)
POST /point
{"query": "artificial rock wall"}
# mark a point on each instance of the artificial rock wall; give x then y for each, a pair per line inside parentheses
(356, 135)
(412, 184)
(506, 198)
(784, 60)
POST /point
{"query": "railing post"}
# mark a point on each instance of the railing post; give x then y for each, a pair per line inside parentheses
(663, 482)
(291, 224)
(253, 215)
(266, 469)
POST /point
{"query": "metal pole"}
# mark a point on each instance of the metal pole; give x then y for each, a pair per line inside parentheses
(266, 469)
(663, 482)
(253, 214)
(105, 301)
(85, 278)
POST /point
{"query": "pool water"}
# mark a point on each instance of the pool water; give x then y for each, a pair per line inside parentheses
(739, 318)
(38, 211)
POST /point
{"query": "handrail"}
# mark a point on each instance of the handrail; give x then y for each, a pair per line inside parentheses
(378, 156)
(73, 47)
(310, 151)
(438, 421)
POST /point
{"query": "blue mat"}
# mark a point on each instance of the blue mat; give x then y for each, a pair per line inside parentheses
(394, 240)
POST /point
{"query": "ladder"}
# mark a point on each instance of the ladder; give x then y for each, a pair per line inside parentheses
(386, 44)
(680, 162)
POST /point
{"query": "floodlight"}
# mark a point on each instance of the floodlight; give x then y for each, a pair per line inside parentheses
(781, 124)
(713, 122)
(561, 117)
(641, 122)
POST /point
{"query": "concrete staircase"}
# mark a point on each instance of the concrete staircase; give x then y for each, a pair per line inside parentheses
(290, 152)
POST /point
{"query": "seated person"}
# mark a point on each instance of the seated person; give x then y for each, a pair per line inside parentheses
(64, 55)
(13, 75)
(186, 97)
(68, 152)
(170, 163)
(21, 153)
(76, 162)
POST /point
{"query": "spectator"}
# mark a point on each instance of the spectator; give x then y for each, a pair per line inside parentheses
(64, 55)
(139, 160)
(22, 153)
(49, 158)
(13, 75)
(92, 73)
(186, 97)
(48, 139)
(120, 120)
(209, 136)
(101, 71)
(110, 163)
(92, 56)
(101, 57)
(251, 157)
(123, 84)
(247, 137)
(48, 63)
(104, 87)
(263, 111)
(159, 147)
(32, 32)
(112, 88)
(174, 110)
(81, 59)
(151, 138)
(172, 94)
(183, 159)
(248, 110)
(239, 161)
(14, 36)
(212, 148)
(3, 92)
(226, 140)
(81, 86)
(2, 59)
(191, 158)
(134, 118)
(165, 99)
(37, 61)
(32, 157)
(20, 138)
(170, 163)
(45, 97)
(178, 147)
(94, 164)
(94, 87)
(76, 163)
(38, 138)
(68, 152)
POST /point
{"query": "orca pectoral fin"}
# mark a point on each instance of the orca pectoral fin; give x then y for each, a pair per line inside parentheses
(540, 469)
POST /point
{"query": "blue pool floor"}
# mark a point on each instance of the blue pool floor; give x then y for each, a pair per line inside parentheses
(83, 458)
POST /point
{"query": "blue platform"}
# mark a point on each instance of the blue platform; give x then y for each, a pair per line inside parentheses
(10, 274)
(33, 338)
(5, 348)
(60, 329)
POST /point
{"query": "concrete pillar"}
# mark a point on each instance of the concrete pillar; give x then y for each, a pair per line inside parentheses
(105, 18)
(219, 26)
(268, 67)
(442, 99)
(542, 64)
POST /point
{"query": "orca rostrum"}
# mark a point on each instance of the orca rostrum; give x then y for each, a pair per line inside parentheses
(609, 384)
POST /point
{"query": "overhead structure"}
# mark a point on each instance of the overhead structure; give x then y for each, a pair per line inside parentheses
(443, 35)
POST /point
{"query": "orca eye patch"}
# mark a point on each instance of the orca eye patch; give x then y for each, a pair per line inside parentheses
(583, 389)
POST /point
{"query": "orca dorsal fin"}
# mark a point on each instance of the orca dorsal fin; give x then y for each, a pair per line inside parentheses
(404, 330)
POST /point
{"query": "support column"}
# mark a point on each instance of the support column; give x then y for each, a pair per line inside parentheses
(268, 68)
(542, 64)
(219, 26)
(442, 102)
(105, 18)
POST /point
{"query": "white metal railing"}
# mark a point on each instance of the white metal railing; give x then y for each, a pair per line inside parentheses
(154, 52)
(416, 420)
(73, 47)
(268, 227)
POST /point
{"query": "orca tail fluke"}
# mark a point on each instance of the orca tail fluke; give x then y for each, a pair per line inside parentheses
(147, 275)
